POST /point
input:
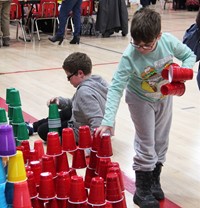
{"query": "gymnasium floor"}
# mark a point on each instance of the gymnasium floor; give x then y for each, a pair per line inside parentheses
(34, 68)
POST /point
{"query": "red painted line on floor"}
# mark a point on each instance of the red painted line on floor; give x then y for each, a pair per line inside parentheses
(129, 184)
(26, 116)
(48, 69)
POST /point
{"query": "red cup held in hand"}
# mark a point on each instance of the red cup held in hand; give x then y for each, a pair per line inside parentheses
(179, 74)
(174, 88)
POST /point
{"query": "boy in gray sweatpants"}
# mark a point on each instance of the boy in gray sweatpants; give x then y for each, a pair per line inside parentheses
(139, 71)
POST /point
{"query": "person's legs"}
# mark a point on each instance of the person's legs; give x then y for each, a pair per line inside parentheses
(65, 9)
(77, 21)
(143, 116)
(5, 23)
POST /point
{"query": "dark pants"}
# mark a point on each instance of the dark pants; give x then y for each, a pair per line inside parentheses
(198, 77)
(42, 128)
(66, 7)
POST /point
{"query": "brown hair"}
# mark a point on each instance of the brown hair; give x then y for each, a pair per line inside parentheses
(145, 25)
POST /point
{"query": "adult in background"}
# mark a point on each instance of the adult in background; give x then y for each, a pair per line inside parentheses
(4, 22)
(68, 6)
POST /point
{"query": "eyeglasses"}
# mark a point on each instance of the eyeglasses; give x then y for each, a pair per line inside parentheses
(145, 47)
(71, 75)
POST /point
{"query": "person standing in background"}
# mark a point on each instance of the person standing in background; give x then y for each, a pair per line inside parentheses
(4, 22)
(68, 6)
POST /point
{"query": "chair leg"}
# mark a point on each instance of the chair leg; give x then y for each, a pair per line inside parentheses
(17, 31)
(36, 25)
(54, 26)
(72, 24)
(23, 32)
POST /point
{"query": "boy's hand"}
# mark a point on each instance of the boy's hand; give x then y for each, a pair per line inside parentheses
(103, 129)
(53, 100)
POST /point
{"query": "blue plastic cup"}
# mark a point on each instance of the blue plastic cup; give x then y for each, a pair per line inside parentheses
(2, 172)
(2, 195)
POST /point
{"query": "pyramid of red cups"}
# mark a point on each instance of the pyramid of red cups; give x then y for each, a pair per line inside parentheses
(35, 178)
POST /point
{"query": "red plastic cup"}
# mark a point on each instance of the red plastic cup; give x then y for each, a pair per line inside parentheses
(62, 203)
(102, 167)
(37, 203)
(81, 205)
(62, 163)
(113, 188)
(68, 140)
(89, 174)
(105, 149)
(107, 205)
(118, 171)
(72, 172)
(21, 196)
(36, 167)
(93, 159)
(121, 204)
(27, 168)
(85, 139)
(97, 192)
(46, 187)
(173, 88)
(96, 141)
(53, 144)
(52, 204)
(78, 160)
(165, 71)
(31, 184)
(26, 150)
(179, 74)
(113, 164)
(39, 147)
(77, 192)
(33, 155)
(62, 185)
(48, 165)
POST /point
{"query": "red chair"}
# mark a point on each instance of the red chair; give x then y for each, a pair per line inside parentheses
(47, 9)
(15, 17)
(87, 8)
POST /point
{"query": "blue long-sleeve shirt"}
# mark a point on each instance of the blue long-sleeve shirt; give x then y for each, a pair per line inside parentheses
(141, 74)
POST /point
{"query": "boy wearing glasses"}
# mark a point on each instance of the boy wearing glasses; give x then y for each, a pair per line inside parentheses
(88, 103)
(139, 71)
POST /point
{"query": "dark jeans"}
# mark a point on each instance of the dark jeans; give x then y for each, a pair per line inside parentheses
(42, 128)
(66, 7)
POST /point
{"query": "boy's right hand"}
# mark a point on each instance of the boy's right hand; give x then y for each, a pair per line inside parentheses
(53, 100)
(103, 129)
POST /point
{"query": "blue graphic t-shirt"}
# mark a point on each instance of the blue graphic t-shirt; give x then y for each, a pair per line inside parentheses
(141, 74)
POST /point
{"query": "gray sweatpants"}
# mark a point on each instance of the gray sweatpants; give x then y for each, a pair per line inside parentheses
(152, 121)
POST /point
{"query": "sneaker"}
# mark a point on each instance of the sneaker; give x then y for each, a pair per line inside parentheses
(30, 128)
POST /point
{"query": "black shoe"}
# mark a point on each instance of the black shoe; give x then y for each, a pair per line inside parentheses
(156, 186)
(56, 38)
(6, 41)
(143, 196)
(75, 40)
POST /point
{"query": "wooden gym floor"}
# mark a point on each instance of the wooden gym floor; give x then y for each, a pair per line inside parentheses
(34, 68)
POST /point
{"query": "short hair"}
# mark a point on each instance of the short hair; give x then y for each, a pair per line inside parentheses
(145, 25)
(78, 61)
